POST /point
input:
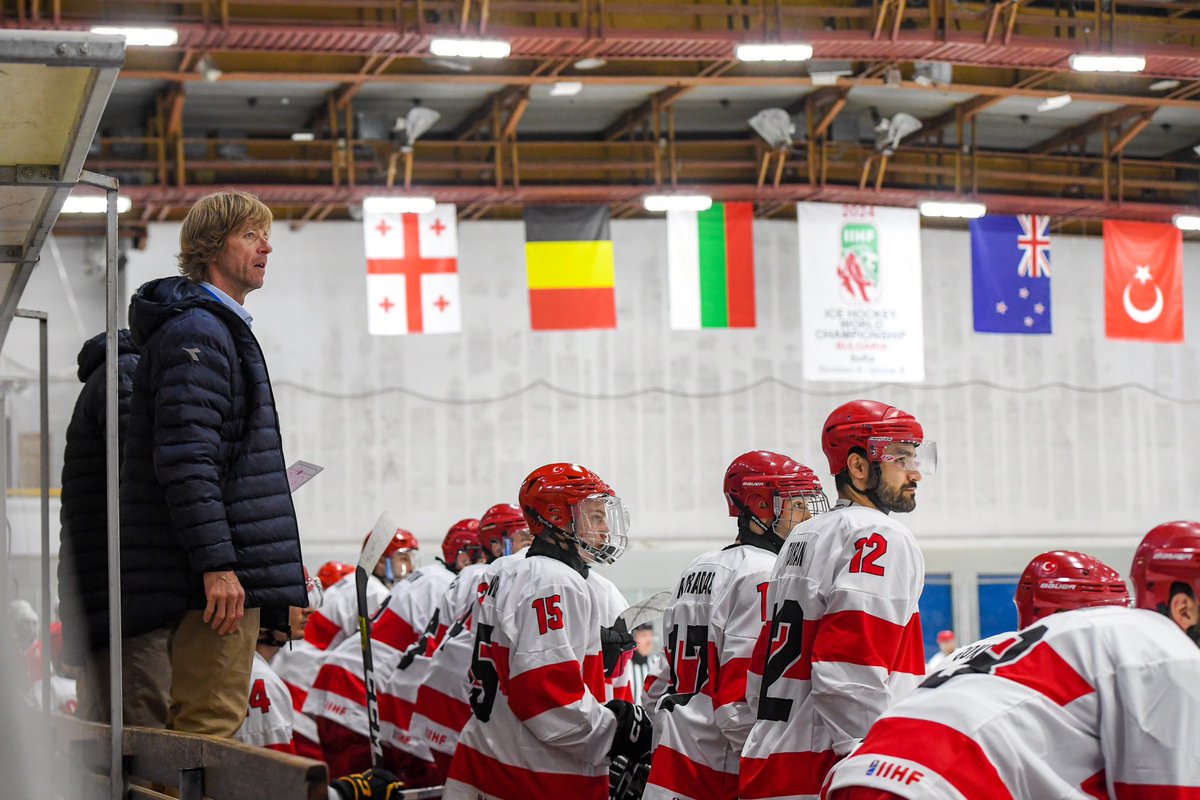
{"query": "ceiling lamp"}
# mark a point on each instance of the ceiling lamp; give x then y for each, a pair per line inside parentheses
(93, 204)
(677, 202)
(1187, 222)
(1053, 103)
(470, 48)
(566, 88)
(142, 37)
(774, 52)
(1106, 62)
(937, 208)
(591, 62)
(1162, 86)
(399, 205)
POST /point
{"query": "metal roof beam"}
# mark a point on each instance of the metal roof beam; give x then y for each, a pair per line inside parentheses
(1139, 125)
(1086, 128)
(966, 110)
(481, 115)
(659, 80)
(659, 101)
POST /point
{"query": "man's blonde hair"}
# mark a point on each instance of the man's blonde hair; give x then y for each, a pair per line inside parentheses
(210, 222)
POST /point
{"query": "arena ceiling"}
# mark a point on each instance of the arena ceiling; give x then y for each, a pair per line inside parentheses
(663, 104)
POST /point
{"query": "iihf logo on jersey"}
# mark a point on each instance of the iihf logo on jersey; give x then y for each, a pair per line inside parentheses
(894, 772)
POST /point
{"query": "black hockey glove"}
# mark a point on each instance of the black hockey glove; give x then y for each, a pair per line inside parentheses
(634, 730)
(613, 642)
(374, 784)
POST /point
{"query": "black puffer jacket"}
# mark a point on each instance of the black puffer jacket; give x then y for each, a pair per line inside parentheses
(83, 538)
(203, 481)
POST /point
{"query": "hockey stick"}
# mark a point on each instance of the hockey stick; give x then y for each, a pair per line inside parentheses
(647, 610)
(377, 542)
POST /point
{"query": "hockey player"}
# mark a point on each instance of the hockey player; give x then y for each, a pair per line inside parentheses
(712, 624)
(269, 714)
(1062, 580)
(442, 707)
(1095, 703)
(540, 728)
(333, 571)
(338, 617)
(334, 623)
(338, 699)
(843, 638)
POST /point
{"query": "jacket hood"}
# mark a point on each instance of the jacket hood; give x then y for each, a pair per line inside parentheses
(91, 355)
(159, 300)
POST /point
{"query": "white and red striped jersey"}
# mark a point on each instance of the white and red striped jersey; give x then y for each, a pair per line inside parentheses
(539, 729)
(296, 665)
(338, 693)
(841, 645)
(337, 618)
(711, 626)
(1092, 703)
(269, 711)
(612, 604)
(442, 707)
(403, 684)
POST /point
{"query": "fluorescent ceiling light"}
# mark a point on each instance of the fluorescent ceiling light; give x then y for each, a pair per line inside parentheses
(93, 204)
(1052, 103)
(592, 62)
(774, 52)
(566, 88)
(1162, 86)
(1187, 222)
(303, 137)
(935, 208)
(677, 202)
(470, 48)
(1082, 62)
(142, 37)
(399, 205)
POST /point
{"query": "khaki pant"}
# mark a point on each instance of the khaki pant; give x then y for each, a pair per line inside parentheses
(210, 674)
(146, 680)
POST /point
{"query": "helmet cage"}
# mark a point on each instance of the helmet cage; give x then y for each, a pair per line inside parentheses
(314, 590)
(600, 528)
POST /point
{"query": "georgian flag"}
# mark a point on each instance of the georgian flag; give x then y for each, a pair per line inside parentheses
(412, 272)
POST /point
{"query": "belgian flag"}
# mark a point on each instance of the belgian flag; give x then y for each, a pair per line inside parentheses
(569, 258)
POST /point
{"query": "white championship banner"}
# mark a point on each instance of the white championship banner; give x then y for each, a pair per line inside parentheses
(860, 293)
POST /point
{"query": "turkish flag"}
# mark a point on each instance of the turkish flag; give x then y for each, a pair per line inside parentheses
(1143, 281)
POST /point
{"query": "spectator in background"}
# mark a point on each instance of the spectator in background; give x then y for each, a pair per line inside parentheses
(646, 659)
(210, 550)
(83, 552)
(946, 641)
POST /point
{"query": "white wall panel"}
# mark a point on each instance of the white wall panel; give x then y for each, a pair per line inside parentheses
(438, 427)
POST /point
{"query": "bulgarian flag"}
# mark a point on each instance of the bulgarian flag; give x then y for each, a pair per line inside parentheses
(710, 256)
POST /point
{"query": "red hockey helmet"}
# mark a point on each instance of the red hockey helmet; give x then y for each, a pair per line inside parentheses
(552, 498)
(759, 478)
(1061, 580)
(402, 541)
(333, 571)
(500, 522)
(873, 426)
(463, 535)
(1168, 554)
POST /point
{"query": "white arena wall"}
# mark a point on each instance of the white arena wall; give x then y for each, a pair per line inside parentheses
(1044, 441)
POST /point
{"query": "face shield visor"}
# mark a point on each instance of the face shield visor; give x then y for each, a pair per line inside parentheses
(909, 456)
(601, 528)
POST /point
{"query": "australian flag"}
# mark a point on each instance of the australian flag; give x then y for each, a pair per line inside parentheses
(1010, 273)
